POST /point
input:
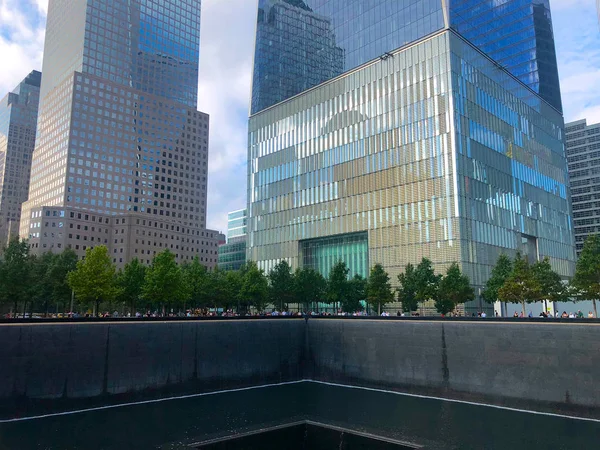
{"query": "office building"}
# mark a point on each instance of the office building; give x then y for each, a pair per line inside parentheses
(424, 147)
(18, 119)
(583, 155)
(302, 43)
(120, 141)
(232, 255)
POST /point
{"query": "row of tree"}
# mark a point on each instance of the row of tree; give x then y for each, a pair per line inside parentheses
(518, 281)
(37, 283)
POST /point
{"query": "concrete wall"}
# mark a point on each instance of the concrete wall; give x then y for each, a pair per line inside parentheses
(501, 362)
(89, 360)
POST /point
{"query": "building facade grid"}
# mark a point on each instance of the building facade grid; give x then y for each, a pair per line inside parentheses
(119, 133)
(18, 122)
(583, 155)
(434, 152)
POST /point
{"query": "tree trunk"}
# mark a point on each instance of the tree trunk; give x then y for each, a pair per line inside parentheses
(595, 310)
(379, 309)
(15, 311)
(523, 304)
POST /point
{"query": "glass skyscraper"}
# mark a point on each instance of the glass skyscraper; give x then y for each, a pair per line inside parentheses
(232, 255)
(301, 43)
(425, 146)
(120, 141)
(18, 120)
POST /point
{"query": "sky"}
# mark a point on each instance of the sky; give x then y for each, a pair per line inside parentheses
(226, 51)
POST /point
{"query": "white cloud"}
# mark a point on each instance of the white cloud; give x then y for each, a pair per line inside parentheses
(578, 50)
(227, 46)
(21, 44)
(42, 6)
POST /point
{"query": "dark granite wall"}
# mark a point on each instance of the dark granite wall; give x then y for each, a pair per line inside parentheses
(49, 361)
(506, 363)
(502, 363)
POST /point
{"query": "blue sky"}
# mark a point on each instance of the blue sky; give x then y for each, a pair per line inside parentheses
(227, 39)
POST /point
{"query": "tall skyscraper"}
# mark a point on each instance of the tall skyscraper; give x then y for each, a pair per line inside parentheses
(424, 146)
(232, 255)
(583, 154)
(301, 43)
(18, 119)
(120, 142)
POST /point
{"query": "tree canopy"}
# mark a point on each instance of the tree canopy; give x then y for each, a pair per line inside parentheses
(281, 285)
(427, 282)
(586, 281)
(498, 277)
(131, 281)
(254, 287)
(94, 280)
(357, 292)
(407, 289)
(164, 284)
(337, 284)
(379, 288)
(521, 286)
(454, 288)
(310, 286)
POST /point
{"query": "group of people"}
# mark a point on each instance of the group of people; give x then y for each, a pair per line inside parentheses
(564, 315)
(231, 313)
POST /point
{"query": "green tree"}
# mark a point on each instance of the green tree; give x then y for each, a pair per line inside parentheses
(337, 284)
(131, 281)
(357, 291)
(586, 281)
(94, 278)
(426, 281)
(498, 277)
(233, 281)
(255, 287)
(164, 284)
(281, 285)
(551, 286)
(218, 292)
(455, 288)
(407, 290)
(521, 286)
(15, 273)
(310, 286)
(198, 281)
(61, 266)
(379, 288)
(40, 282)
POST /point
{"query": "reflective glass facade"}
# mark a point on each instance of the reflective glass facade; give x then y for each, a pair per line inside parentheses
(517, 34)
(433, 152)
(301, 43)
(160, 56)
(232, 256)
(322, 254)
(118, 129)
(237, 224)
(18, 121)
